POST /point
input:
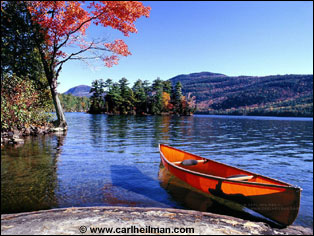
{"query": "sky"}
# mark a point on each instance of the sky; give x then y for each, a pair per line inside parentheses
(183, 37)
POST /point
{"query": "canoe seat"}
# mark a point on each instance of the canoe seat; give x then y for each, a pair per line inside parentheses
(189, 162)
(240, 177)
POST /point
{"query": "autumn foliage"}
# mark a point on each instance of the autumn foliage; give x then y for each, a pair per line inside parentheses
(21, 104)
(166, 101)
(65, 23)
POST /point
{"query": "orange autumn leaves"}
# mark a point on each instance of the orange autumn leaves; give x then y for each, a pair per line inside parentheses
(166, 101)
(59, 19)
(119, 15)
(117, 47)
(184, 103)
(65, 22)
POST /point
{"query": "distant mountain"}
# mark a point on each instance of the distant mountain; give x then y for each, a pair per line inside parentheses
(215, 93)
(290, 95)
(80, 91)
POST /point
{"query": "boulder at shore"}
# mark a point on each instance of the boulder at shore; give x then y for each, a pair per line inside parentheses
(130, 220)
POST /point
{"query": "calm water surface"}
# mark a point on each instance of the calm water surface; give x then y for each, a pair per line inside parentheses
(114, 160)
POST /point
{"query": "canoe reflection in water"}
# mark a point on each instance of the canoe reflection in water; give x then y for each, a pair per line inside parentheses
(194, 199)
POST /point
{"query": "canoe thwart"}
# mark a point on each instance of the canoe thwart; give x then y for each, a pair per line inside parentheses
(190, 162)
(240, 177)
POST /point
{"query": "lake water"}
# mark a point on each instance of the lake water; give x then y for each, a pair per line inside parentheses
(114, 160)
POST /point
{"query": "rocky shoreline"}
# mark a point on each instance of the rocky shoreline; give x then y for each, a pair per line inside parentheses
(17, 136)
(134, 220)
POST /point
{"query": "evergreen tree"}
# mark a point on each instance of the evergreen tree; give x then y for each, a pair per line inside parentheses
(167, 87)
(177, 97)
(114, 99)
(147, 87)
(157, 85)
(19, 56)
(97, 99)
(127, 97)
(108, 84)
(140, 96)
(157, 101)
(123, 86)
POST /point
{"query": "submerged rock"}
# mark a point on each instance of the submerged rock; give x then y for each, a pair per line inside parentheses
(17, 141)
(26, 131)
(5, 140)
(10, 134)
(135, 220)
(58, 129)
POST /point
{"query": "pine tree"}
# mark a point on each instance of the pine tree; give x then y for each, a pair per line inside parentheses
(97, 99)
(140, 96)
(157, 102)
(176, 98)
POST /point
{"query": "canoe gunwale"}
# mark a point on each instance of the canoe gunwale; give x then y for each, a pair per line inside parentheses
(226, 179)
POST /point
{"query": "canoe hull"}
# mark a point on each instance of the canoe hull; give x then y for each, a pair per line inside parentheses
(280, 204)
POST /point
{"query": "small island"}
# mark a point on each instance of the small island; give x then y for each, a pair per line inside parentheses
(160, 98)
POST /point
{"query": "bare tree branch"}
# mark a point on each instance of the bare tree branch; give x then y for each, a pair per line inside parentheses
(85, 58)
(74, 54)
(78, 28)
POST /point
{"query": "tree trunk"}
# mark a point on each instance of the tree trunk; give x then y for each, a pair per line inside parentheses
(60, 115)
(52, 80)
(61, 122)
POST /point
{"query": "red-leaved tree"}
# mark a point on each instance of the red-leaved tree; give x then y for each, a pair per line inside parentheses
(64, 23)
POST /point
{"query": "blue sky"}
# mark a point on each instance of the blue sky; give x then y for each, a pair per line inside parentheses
(232, 38)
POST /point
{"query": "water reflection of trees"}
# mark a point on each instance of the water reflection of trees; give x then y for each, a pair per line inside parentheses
(179, 129)
(165, 128)
(175, 127)
(96, 128)
(117, 132)
(28, 174)
(140, 131)
(171, 129)
(118, 126)
(157, 121)
(60, 138)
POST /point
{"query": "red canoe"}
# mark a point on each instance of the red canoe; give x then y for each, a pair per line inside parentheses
(271, 198)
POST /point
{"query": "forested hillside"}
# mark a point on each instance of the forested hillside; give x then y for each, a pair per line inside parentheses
(282, 95)
(72, 103)
(276, 95)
